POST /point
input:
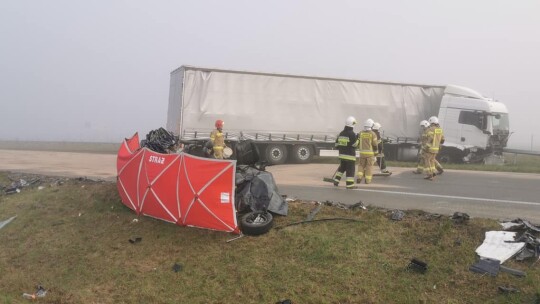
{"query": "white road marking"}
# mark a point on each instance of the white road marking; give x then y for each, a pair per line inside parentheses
(452, 197)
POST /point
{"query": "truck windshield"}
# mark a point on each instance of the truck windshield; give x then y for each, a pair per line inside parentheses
(500, 122)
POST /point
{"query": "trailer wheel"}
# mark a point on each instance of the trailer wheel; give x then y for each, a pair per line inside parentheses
(444, 158)
(302, 154)
(448, 158)
(256, 223)
(276, 154)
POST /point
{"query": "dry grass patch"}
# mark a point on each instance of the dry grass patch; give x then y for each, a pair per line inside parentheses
(73, 239)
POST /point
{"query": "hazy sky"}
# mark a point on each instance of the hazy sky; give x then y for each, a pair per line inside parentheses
(99, 70)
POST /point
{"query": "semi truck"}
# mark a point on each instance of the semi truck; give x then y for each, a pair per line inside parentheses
(291, 118)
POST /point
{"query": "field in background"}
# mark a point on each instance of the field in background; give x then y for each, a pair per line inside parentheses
(514, 162)
(79, 147)
(72, 237)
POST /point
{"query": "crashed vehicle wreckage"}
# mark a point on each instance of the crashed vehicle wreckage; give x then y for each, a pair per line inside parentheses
(522, 243)
(189, 188)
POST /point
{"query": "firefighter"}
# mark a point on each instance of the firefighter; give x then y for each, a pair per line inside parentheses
(367, 144)
(346, 144)
(424, 125)
(434, 139)
(218, 140)
(380, 155)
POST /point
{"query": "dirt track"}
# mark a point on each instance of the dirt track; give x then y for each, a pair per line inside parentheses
(103, 166)
(96, 166)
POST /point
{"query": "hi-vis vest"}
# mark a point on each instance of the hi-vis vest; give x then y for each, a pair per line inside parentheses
(424, 139)
(434, 137)
(217, 139)
(367, 139)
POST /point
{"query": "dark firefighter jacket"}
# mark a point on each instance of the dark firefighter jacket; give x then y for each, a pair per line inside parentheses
(346, 143)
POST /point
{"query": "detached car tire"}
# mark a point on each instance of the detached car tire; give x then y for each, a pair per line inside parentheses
(256, 223)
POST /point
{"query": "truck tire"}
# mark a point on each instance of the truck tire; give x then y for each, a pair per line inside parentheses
(276, 154)
(256, 223)
(444, 158)
(450, 156)
(302, 154)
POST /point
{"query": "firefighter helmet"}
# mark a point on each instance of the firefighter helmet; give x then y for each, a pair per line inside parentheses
(219, 123)
(350, 122)
(376, 126)
(368, 123)
(424, 123)
(433, 120)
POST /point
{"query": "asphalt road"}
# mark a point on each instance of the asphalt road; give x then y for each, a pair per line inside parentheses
(479, 194)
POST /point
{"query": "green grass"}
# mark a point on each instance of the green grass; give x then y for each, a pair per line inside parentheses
(61, 146)
(73, 239)
(513, 163)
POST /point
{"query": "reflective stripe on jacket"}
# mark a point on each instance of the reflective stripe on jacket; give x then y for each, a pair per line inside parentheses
(346, 144)
(434, 138)
(368, 143)
(424, 139)
(217, 139)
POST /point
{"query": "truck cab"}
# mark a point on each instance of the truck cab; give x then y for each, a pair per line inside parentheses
(475, 127)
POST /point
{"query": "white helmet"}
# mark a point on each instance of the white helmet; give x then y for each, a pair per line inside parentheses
(424, 123)
(368, 123)
(350, 122)
(376, 126)
(433, 120)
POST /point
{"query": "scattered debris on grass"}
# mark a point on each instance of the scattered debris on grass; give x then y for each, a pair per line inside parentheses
(4, 223)
(417, 265)
(397, 215)
(519, 224)
(486, 266)
(499, 246)
(12, 190)
(507, 289)
(512, 271)
(460, 218)
(359, 205)
(318, 206)
(236, 238)
(20, 181)
(135, 239)
(529, 236)
(314, 211)
(492, 267)
(177, 267)
(41, 292)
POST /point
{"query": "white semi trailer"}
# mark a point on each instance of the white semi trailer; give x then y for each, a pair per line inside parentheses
(292, 117)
